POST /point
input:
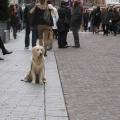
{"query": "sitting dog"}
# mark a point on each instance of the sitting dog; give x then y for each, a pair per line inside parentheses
(37, 71)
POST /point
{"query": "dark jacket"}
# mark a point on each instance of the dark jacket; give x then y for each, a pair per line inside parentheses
(97, 17)
(13, 16)
(86, 17)
(115, 18)
(63, 23)
(39, 17)
(76, 17)
(27, 15)
(104, 17)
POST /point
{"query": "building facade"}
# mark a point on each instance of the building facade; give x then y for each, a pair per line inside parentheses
(94, 3)
(112, 2)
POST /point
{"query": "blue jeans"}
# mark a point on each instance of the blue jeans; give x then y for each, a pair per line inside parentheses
(34, 38)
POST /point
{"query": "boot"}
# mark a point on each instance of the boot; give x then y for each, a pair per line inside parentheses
(1, 58)
(6, 52)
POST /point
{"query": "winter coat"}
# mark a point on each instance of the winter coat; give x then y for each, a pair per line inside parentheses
(28, 17)
(85, 17)
(13, 16)
(104, 18)
(38, 17)
(115, 18)
(63, 23)
(97, 17)
(76, 18)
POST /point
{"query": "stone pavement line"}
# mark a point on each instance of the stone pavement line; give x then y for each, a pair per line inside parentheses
(25, 101)
(55, 104)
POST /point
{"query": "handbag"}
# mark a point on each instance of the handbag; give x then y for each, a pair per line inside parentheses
(48, 17)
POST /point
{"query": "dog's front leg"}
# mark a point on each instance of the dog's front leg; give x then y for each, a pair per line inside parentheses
(33, 77)
(42, 77)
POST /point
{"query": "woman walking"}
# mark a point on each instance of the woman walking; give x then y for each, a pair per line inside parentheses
(43, 27)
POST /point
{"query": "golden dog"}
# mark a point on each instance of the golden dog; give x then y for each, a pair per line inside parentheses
(37, 71)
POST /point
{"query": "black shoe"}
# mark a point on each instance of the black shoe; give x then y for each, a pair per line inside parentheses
(6, 52)
(60, 47)
(76, 46)
(1, 58)
(66, 46)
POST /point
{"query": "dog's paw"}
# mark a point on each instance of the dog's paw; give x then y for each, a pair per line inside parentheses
(33, 81)
(44, 80)
(41, 82)
(25, 80)
(22, 80)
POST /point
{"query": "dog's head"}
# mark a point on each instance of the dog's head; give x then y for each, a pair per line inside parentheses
(38, 51)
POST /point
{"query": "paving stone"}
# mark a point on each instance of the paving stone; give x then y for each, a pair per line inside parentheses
(90, 77)
(27, 101)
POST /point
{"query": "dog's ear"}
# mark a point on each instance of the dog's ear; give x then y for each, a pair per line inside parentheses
(34, 51)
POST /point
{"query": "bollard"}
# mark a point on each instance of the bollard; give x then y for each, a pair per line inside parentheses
(6, 36)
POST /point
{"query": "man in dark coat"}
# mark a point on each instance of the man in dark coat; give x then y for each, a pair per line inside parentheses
(105, 21)
(63, 24)
(85, 19)
(28, 17)
(76, 19)
(115, 20)
(97, 20)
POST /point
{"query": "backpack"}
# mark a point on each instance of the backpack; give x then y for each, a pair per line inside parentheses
(48, 17)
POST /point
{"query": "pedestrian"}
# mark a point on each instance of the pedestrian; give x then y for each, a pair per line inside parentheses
(115, 20)
(43, 24)
(53, 34)
(19, 17)
(13, 20)
(76, 20)
(97, 20)
(55, 17)
(63, 24)
(28, 16)
(105, 21)
(92, 15)
(27, 26)
(4, 50)
(110, 17)
(33, 27)
(85, 20)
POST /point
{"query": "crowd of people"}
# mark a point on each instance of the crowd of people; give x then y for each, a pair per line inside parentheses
(105, 19)
(63, 19)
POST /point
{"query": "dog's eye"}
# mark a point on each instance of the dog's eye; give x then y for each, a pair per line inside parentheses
(37, 49)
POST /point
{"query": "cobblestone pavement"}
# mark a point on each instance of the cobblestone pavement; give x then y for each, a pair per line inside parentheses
(27, 101)
(90, 77)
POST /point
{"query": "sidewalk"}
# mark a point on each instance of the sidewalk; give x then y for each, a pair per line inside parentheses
(27, 101)
(90, 76)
